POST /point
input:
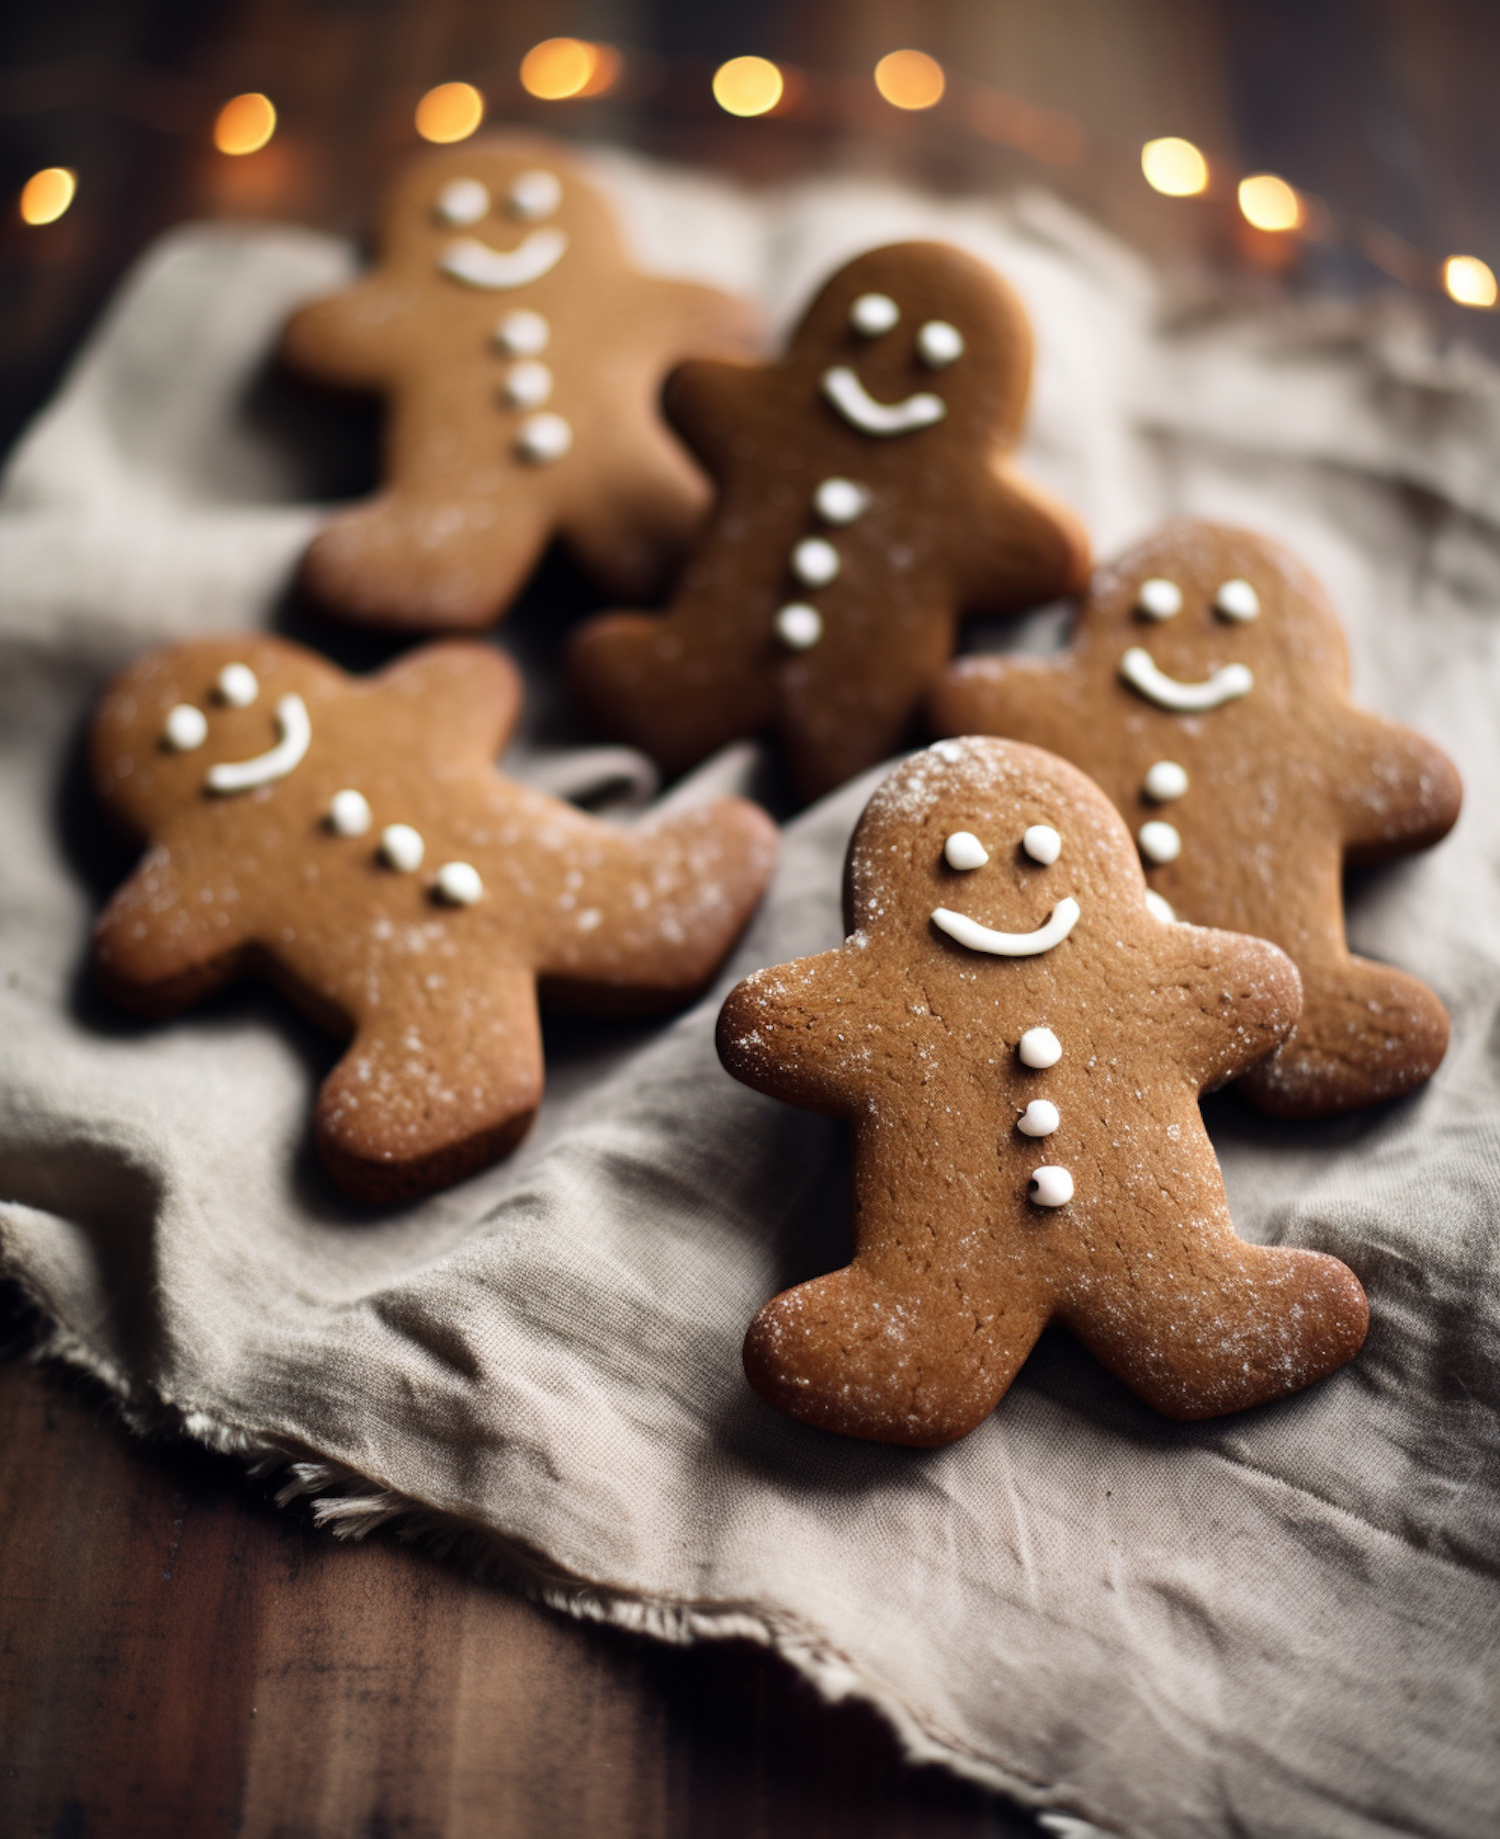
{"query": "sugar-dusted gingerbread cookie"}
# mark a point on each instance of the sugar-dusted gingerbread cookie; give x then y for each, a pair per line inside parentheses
(521, 358)
(1018, 1041)
(1206, 690)
(867, 499)
(352, 840)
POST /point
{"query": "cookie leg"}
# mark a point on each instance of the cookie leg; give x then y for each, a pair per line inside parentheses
(1367, 1033)
(845, 1353)
(1221, 1327)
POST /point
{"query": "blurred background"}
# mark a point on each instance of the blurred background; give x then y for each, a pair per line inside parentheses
(1342, 147)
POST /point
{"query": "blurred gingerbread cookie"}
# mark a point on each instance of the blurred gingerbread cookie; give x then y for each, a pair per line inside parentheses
(1206, 690)
(867, 500)
(521, 358)
(1018, 1042)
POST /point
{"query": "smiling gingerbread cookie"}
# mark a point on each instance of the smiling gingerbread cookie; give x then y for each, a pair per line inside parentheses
(1206, 690)
(1018, 1041)
(521, 358)
(351, 840)
(867, 501)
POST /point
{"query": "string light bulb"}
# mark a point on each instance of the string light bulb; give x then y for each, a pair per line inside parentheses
(560, 68)
(1469, 281)
(450, 112)
(1269, 203)
(244, 124)
(1174, 167)
(910, 79)
(748, 86)
(47, 194)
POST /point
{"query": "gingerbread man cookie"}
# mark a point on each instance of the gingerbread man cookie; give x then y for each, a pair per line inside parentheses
(1018, 1042)
(351, 840)
(1206, 690)
(867, 501)
(521, 358)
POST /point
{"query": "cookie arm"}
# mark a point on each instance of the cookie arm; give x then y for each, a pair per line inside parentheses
(794, 1031)
(348, 338)
(1224, 1001)
(709, 403)
(1025, 548)
(1400, 791)
(457, 700)
(1026, 699)
(158, 947)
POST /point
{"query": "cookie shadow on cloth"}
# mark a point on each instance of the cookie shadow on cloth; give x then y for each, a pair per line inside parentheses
(324, 445)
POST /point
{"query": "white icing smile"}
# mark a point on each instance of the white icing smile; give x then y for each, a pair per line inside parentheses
(474, 262)
(860, 409)
(969, 932)
(294, 726)
(1229, 682)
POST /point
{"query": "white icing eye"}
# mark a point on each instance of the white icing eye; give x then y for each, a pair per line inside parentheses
(238, 685)
(527, 385)
(1051, 1187)
(1042, 843)
(462, 201)
(799, 626)
(522, 334)
(544, 438)
(815, 561)
(1165, 781)
(186, 728)
(1238, 601)
(458, 883)
(535, 194)
(939, 344)
(1159, 842)
(873, 314)
(1160, 908)
(1039, 1047)
(1159, 598)
(840, 501)
(349, 813)
(402, 847)
(1041, 1118)
(964, 850)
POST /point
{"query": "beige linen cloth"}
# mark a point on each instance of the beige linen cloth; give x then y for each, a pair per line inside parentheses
(1282, 1623)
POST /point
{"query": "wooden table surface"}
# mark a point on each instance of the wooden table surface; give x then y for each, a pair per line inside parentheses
(177, 1655)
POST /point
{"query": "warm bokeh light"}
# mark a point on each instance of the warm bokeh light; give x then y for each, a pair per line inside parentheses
(1468, 281)
(910, 79)
(1174, 166)
(450, 112)
(244, 124)
(562, 67)
(747, 86)
(1269, 203)
(47, 194)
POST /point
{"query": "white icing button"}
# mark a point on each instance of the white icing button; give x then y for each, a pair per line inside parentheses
(1159, 907)
(544, 438)
(527, 386)
(1051, 1187)
(1160, 842)
(1039, 1047)
(873, 314)
(402, 847)
(463, 201)
(939, 344)
(964, 850)
(1238, 601)
(1042, 1117)
(186, 728)
(349, 813)
(1159, 598)
(535, 194)
(522, 334)
(840, 501)
(815, 561)
(459, 884)
(1042, 843)
(1165, 781)
(238, 685)
(799, 626)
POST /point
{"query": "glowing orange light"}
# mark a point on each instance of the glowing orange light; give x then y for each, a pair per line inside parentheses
(1269, 203)
(1469, 281)
(748, 86)
(910, 79)
(244, 124)
(47, 194)
(560, 68)
(1174, 166)
(450, 112)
